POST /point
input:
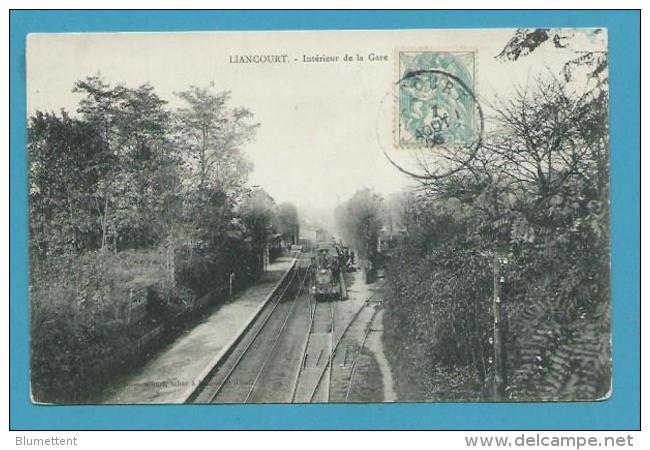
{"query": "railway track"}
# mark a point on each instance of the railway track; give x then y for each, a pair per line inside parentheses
(345, 377)
(317, 350)
(335, 378)
(238, 379)
(293, 352)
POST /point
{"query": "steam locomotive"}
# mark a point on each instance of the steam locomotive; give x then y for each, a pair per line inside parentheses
(326, 273)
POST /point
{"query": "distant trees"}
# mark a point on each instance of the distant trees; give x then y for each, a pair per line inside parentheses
(287, 222)
(359, 220)
(257, 212)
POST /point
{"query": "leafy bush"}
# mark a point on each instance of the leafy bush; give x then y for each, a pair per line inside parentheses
(77, 339)
(560, 326)
(536, 194)
(555, 297)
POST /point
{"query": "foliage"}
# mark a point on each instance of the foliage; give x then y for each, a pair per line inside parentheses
(134, 198)
(257, 212)
(66, 163)
(536, 194)
(287, 221)
(210, 134)
(122, 178)
(75, 337)
(583, 47)
(360, 220)
(395, 207)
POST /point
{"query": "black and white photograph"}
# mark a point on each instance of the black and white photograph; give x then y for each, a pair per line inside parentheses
(230, 217)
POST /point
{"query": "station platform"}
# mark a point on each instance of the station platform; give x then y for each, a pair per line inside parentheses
(174, 370)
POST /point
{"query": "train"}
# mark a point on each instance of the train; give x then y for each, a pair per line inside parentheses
(330, 261)
(326, 280)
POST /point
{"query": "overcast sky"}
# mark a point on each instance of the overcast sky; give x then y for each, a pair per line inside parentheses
(317, 143)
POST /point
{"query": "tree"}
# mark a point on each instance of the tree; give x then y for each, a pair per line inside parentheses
(536, 192)
(210, 133)
(395, 208)
(66, 163)
(257, 213)
(287, 222)
(152, 167)
(554, 145)
(126, 173)
(360, 220)
(584, 48)
(138, 189)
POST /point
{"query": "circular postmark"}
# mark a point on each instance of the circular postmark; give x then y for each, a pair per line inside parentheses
(437, 124)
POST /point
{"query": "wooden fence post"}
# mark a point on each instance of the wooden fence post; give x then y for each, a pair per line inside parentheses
(500, 379)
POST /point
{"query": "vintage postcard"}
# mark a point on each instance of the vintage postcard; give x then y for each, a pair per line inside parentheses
(319, 216)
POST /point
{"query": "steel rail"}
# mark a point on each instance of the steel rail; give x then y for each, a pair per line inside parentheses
(306, 346)
(356, 358)
(277, 337)
(333, 351)
(304, 356)
(257, 333)
(329, 374)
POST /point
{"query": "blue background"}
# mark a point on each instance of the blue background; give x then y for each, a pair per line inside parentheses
(621, 411)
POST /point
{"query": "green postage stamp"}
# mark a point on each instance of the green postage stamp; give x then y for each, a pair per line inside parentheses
(436, 99)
